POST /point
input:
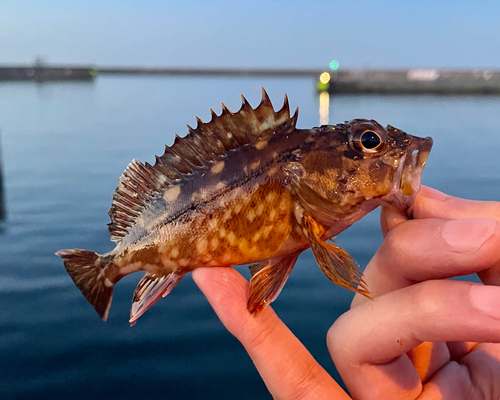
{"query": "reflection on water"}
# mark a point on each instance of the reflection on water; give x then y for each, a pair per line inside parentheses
(324, 108)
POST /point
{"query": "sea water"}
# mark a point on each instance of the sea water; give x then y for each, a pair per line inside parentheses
(63, 145)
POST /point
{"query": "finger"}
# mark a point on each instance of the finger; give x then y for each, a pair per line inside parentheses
(389, 218)
(491, 276)
(287, 368)
(431, 203)
(424, 249)
(369, 343)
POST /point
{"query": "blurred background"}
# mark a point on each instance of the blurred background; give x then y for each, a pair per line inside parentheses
(65, 141)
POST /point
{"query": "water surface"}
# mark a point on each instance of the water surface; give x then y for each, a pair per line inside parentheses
(64, 145)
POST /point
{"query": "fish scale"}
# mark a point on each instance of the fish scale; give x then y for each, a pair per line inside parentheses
(249, 188)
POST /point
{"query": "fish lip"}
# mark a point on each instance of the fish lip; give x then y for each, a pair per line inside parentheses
(423, 152)
(416, 158)
(408, 176)
(411, 177)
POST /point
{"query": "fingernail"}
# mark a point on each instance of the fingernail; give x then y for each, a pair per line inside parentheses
(486, 299)
(467, 235)
(433, 194)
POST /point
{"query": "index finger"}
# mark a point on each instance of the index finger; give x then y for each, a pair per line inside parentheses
(287, 368)
(431, 203)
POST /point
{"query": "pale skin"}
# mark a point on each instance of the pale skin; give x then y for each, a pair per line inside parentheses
(423, 336)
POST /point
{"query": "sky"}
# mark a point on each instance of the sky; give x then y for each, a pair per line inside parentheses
(270, 34)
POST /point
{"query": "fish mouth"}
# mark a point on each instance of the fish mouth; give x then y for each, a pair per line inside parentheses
(408, 177)
(414, 164)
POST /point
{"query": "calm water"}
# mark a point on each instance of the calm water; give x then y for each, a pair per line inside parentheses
(63, 147)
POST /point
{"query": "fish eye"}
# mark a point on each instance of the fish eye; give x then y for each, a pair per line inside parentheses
(367, 140)
(370, 140)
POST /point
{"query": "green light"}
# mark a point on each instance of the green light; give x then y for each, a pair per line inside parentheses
(334, 65)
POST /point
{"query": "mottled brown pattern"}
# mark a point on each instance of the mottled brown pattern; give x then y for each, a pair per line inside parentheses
(230, 231)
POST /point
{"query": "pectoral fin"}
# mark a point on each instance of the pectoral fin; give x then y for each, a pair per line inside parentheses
(149, 289)
(334, 261)
(267, 282)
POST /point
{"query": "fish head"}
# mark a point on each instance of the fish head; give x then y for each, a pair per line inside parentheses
(383, 164)
(360, 164)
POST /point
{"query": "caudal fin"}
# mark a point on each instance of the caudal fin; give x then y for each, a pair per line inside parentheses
(88, 271)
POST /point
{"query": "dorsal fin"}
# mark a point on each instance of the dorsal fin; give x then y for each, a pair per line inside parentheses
(140, 182)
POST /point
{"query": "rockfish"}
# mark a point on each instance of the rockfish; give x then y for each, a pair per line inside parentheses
(249, 188)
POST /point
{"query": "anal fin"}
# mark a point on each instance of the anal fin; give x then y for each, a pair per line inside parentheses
(148, 291)
(268, 280)
(334, 261)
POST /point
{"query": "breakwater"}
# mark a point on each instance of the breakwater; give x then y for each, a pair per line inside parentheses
(408, 81)
(413, 81)
(39, 73)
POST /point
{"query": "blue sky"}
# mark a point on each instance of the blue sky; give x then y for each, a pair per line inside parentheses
(291, 33)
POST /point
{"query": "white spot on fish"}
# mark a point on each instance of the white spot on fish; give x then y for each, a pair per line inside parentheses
(231, 237)
(196, 197)
(259, 209)
(250, 215)
(220, 185)
(214, 243)
(227, 214)
(243, 245)
(267, 230)
(261, 145)
(108, 283)
(217, 167)
(273, 170)
(172, 193)
(271, 197)
(201, 245)
(237, 208)
(255, 165)
(174, 253)
(212, 223)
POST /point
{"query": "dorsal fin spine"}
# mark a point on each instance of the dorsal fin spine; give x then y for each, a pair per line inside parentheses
(171, 158)
(190, 156)
(225, 110)
(171, 173)
(199, 151)
(141, 171)
(203, 146)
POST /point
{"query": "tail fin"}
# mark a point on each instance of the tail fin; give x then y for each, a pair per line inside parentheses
(88, 271)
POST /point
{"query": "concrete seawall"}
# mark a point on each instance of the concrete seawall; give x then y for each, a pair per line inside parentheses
(414, 81)
(46, 74)
(410, 81)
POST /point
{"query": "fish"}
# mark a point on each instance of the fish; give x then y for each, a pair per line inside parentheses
(249, 187)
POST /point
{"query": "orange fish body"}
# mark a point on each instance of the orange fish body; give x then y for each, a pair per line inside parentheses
(249, 188)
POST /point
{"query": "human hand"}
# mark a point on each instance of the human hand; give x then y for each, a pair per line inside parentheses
(379, 346)
(418, 338)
